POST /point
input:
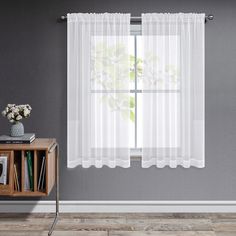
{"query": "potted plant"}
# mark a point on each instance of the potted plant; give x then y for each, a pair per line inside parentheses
(15, 113)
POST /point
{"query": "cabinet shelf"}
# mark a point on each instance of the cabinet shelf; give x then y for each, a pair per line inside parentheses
(29, 193)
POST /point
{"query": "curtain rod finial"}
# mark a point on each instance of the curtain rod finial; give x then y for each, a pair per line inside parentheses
(210, 17)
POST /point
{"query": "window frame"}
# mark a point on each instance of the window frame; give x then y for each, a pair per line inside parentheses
(135, 30)
(135, 152)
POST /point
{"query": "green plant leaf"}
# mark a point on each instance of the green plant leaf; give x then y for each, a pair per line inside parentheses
(131, 58)
(131, 102)
(132, 75)
(132, 116)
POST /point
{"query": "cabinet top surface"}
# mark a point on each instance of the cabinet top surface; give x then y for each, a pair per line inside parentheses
(38, 143)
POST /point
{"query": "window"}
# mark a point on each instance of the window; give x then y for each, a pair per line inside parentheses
(129, 96)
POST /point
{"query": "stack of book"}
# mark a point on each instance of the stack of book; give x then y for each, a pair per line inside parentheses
(25, 139)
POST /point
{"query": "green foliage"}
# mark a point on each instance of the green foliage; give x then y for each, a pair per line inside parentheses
(132, 75)
(131, 102)
(106, 76)
(139, 67)
(132, 116)
(104, 73)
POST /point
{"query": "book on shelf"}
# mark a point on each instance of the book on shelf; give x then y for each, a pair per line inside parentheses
(16, 179)
(30, 169)
(41, 179)
(3, 170)
(27, 179)
(25, 139)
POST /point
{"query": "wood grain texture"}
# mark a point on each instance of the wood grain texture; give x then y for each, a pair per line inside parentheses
(225, 233)
(163, 233)
(51, 168)
(224, 225)
(55, 233)
(170, 224)
(23, 156)
(106, 224)
(38, 144)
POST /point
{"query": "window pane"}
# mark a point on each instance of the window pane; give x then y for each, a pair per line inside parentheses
(162, 66)
(132, 62)
(164, 110)
(110, 117)
(139, 61)
(139, 121)
(109, 63)
(132, 121)
(107, 106)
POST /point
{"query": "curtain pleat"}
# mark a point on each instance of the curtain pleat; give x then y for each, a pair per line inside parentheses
(173, 90)
(98, 90)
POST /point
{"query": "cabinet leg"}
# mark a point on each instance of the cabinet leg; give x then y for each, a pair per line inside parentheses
(57, 192)
(53, 224)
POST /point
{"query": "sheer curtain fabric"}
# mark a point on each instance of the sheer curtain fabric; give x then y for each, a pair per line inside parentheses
(173, 90)
(97, 89)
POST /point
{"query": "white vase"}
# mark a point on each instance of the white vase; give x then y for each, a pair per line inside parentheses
(17, 129)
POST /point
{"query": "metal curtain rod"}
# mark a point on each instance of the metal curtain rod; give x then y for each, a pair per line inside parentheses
(137, 19)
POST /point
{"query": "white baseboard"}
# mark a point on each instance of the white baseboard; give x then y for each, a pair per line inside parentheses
(118, 206)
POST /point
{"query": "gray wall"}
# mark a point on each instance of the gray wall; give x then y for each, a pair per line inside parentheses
(33, 70)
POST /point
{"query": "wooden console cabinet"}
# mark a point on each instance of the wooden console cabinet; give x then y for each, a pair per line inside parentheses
(16, 155)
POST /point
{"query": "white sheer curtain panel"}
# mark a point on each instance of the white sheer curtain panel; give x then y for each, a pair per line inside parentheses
(98, 90)
(173, 90)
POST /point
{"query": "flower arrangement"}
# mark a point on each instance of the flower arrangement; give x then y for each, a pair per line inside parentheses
(15, 113)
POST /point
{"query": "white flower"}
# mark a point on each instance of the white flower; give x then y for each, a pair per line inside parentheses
(15, 112)
(10, 105)
(26, 112)
(14, 109)
(9, 116)
(19, 117)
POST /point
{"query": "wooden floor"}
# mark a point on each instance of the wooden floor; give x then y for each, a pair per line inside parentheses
(119, 224)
